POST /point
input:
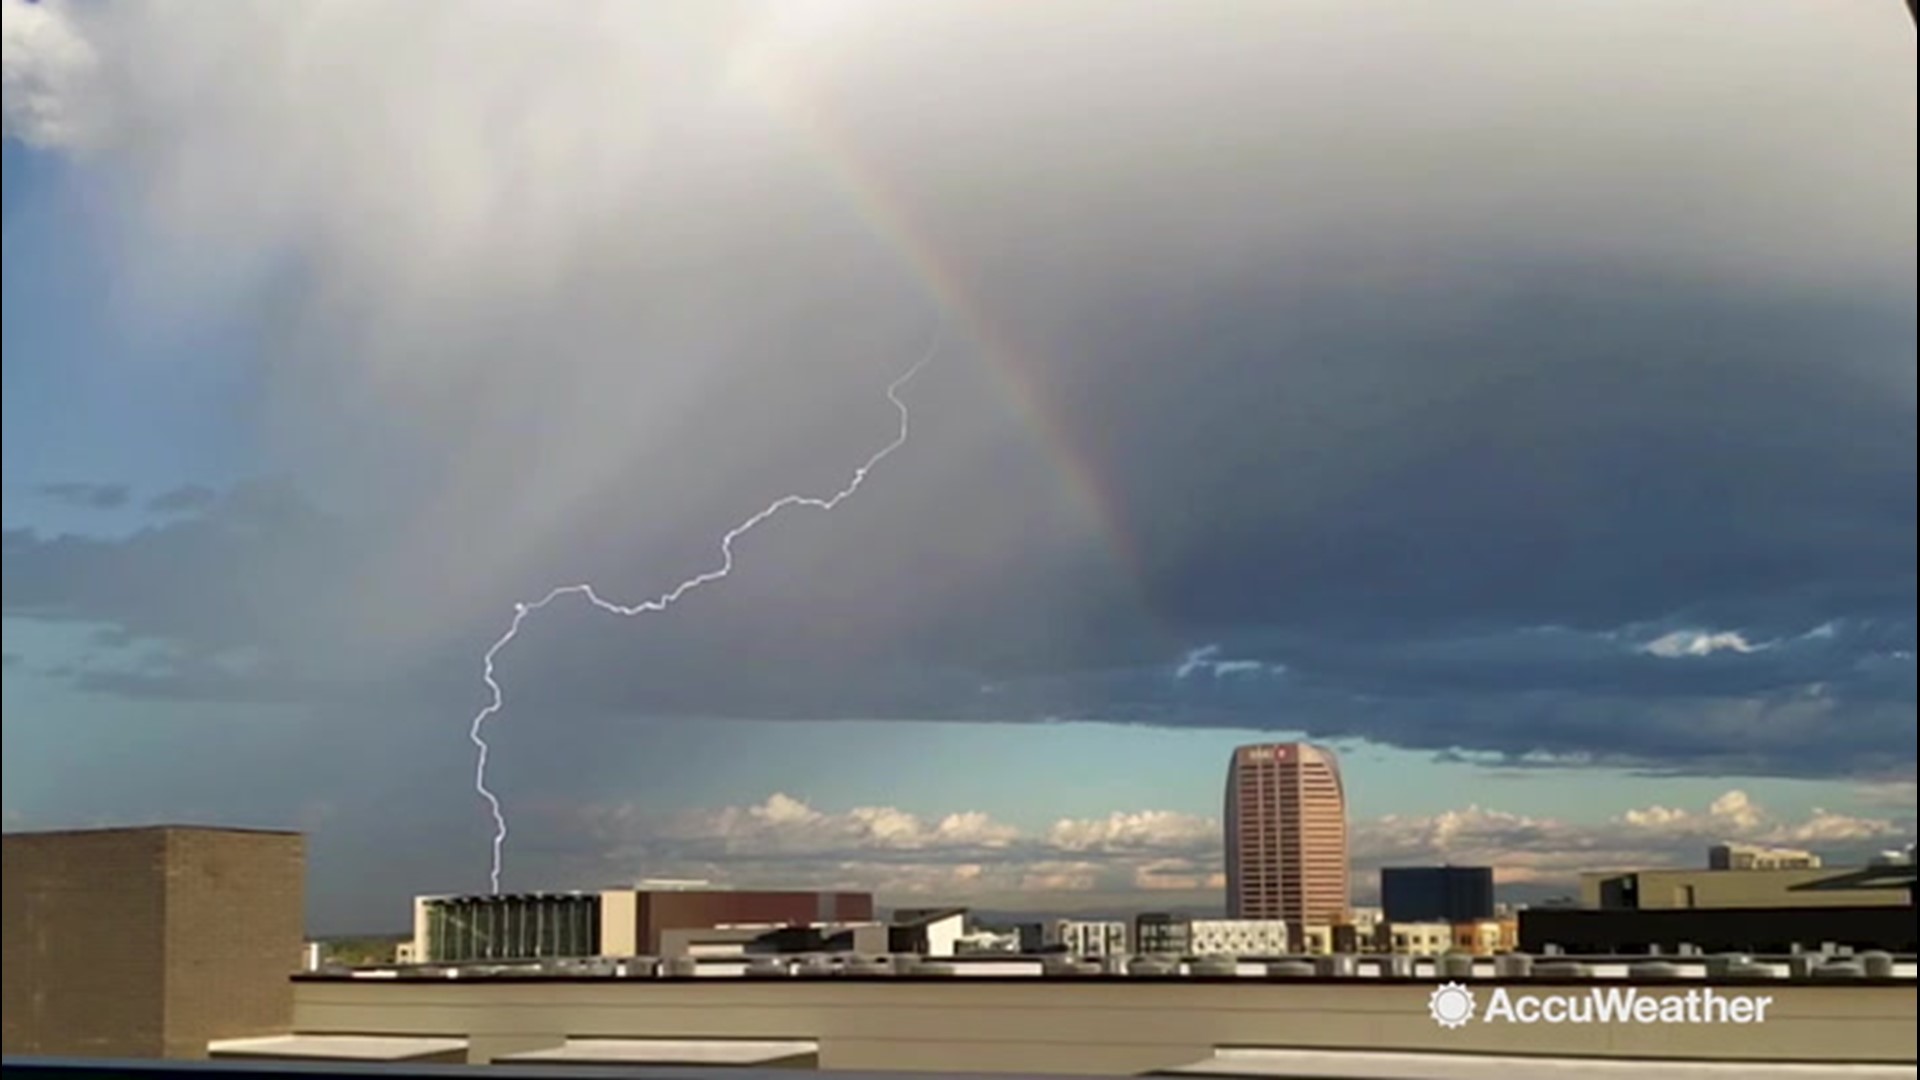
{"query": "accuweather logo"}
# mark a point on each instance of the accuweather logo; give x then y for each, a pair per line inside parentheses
(1454, 1005)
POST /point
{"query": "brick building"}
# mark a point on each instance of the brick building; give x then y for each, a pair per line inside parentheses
(148, 942)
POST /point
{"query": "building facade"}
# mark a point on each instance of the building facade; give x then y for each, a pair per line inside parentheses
(1449, 894)
(980, 942)
(927, 931)
(1286, 835)
(615, 922)
(1158, 933)
(1322, 939)
(760, 941)
(1239, 937)
(1774, 930)
(1756, 857)
(1416, 938)
(1487, 937)
(149, 942)
(1088, 937)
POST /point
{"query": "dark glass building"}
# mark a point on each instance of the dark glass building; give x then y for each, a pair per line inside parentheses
(1429, 894)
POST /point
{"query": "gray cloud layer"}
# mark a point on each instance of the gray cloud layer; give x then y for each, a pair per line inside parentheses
(86, 496)
(1435, 365)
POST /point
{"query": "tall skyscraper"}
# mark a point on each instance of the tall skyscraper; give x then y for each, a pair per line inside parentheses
(1286, 821)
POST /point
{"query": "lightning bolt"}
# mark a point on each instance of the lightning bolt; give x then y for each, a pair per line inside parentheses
(497, 698)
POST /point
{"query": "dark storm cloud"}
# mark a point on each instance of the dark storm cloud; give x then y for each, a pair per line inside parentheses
(86, 496)
(199, 606)
(1643, 526)
(183, 499)
(1553, 448)
(1480, 385)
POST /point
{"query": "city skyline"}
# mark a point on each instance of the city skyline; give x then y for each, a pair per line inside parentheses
(1519, 402)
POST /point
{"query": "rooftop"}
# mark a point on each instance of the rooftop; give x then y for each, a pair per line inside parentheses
(1355, 1026)
(1813, 969)
(108, 830)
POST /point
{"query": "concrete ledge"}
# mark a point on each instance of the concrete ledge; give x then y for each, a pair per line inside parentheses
(1369, 1065)
(734, 1053)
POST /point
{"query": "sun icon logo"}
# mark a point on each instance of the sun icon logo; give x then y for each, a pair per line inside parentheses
(1451, 1004)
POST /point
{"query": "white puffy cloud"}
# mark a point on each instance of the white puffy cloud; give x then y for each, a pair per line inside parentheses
(1542, 850)
(1171, 855)
(1733, 812)
(47, 71)
(1143, 830)
(1680, 643)
(786, 826)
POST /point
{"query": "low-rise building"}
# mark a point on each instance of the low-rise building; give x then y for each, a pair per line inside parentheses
(765, 940)
(1366, 919)
(1732, 856)
(1321, 939)
(1162, 934)
(1088, 937)
(1032, 936)
(1416, 939)
(150, 941)
(611, 922)
(1486, 937)
(978, 942)
(1239, 937)
(927, 931)
(1361, 932)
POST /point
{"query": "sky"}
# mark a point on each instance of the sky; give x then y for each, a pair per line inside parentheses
(1518, 398)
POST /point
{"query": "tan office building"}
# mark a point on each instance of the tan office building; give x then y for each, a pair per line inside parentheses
(148, 942)
(1286, 835)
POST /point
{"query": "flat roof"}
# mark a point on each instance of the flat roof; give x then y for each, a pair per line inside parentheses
(730, 1052)
(494, 898)
(908, 918)
(338, 1047)
(106, 829)
(800, 984)
(1373, 1065)
(549, 894)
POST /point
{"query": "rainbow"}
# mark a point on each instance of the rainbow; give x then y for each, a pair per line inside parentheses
(889, 215)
